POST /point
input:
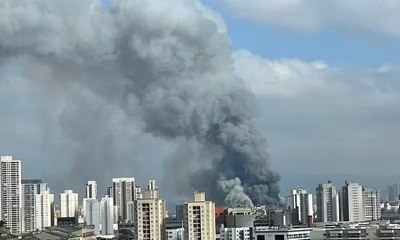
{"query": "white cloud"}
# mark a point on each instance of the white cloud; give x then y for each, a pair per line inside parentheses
(291, 78)
(285, 78)
(301, 15)
(324, 117)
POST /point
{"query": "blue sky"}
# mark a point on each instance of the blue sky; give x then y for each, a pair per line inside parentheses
(335, 119)
(335, 47)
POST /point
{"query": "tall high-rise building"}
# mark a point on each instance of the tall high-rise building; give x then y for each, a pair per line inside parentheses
(107, 216)
(131, 210)
(92, 214)
(123, 191)
(301, 202)
(44, 210)
(30, 188)
(352, 202)
(340, 193)
(91, 190)
(69, 204)
(10, 193)
(371, 204)
(327, 203)
(150, 214)
(199, 218)
(91, 193)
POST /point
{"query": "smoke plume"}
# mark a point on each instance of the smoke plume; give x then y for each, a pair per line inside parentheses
(166, 62)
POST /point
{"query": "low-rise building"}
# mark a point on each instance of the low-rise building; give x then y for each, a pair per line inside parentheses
(374, 230)
(174, 229)
(236, 233)
(266, 233)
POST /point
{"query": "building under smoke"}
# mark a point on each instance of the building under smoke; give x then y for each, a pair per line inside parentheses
(167, 62)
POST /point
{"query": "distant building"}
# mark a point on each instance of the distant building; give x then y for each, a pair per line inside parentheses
(175, 233)
(352, 202)
(91, 193)
(327, 203)
(199, 218)
(174, 230)
(91, 190)
(392, 216)
(67, 221)
(179, 212)
(371, 204)
(44, 210)
(236, 233)
(107, 216)
(64, 232)
(69, 204)
(302, 202)
(266, 233)
(92, 214)
(278, 218)
(238, 221)
(374, 230)
(123, 191)
(30, 188)
(150, 214)
(10, 193)
(130, 209)
(139, 193)
(220, 218)
(240, 211)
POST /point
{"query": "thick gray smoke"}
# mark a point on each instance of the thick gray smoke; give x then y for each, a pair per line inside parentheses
(167, 62)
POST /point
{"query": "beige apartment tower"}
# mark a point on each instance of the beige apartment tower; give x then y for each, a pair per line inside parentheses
(149, 215)
(199, 218)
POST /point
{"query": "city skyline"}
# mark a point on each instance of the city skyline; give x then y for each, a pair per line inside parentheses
(127, 183)
(309, 184)
(324, 94)
(28, 207)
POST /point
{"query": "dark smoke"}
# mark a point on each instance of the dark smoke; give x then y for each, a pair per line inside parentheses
(165, 61)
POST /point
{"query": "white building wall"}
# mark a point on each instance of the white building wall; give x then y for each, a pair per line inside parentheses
(175, 234)
(44, 210)
(107, 216)
(327, 203)
(303, 201)
(91, 190)
(371, 204)
(10, 193)
(243, 233)
(69, 203)
(115, 211)
(131, 211)
(30, 188)
(92, 216)
(353, 196)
